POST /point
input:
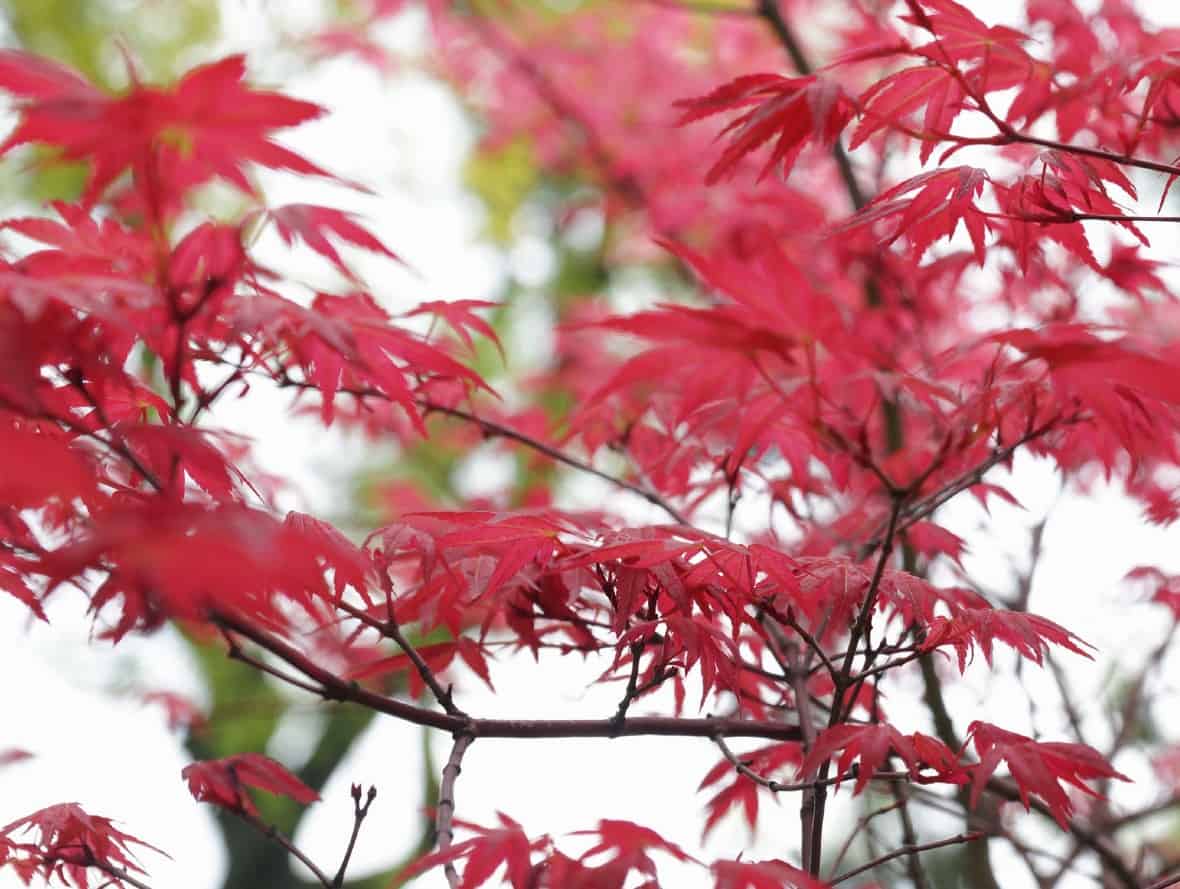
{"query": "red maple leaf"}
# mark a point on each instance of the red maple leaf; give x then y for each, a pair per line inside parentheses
(930, 89)
(790, 111)
(628, 845)
(491, 847)
(313, 225)
(223, 782)
(1029, 634)
(1037, 767)
(871, 745)
(744, 791)
(928, 207)
(208, 125)
(180, 711)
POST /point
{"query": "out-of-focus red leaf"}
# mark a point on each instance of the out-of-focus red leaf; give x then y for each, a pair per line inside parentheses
(223, 782)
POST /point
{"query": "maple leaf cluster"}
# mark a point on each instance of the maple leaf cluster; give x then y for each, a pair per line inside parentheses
(820, 378)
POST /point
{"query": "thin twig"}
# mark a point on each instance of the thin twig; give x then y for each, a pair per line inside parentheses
(359, 811)
(273, 833)
(235, 653)
(908, 849)
(446, 803)
(909, 838)
(632, 690)
(743, 768)
(815, 801)
(491, 427)
(861, 824)
(392, 630)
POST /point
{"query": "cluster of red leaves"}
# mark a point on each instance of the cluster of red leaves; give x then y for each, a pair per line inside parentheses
(536, 863)
(686, 601)
(822, 344)
(64, 842)
(131, 488)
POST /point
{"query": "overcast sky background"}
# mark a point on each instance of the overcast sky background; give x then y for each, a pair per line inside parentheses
(73, 704)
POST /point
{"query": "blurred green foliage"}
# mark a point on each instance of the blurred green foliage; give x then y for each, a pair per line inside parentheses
(101, 38)
(161, 36)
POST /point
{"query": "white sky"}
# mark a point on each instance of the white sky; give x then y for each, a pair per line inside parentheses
(104, 750)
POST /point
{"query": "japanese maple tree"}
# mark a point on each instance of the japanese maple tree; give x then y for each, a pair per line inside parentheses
(876, 231)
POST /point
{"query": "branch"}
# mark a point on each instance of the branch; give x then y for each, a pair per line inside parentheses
(632, 690)
(863, 625)
(812, 810)
(1009, 134)
(908, 849)
(910, 838)
(1066, 217)
(446, 803)
(861, 824)
(490, 427)
(920, 509)
(743, 768)
(359, 811)
(1125, 160)
(332, 687)
(392, 630)
(273, 833)
(116, 873)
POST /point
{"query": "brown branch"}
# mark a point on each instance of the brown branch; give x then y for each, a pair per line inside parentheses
(332, 687)
(1009, 134)
(1067, 217)
(625, 184)
(392, 630)
(273, 833)
(632, 691)
(446, 803)
(235, 653)
(908, 849)
(862, 628)
(1155, 808)
(815, 801)
(1125, 160)
(920, 509)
